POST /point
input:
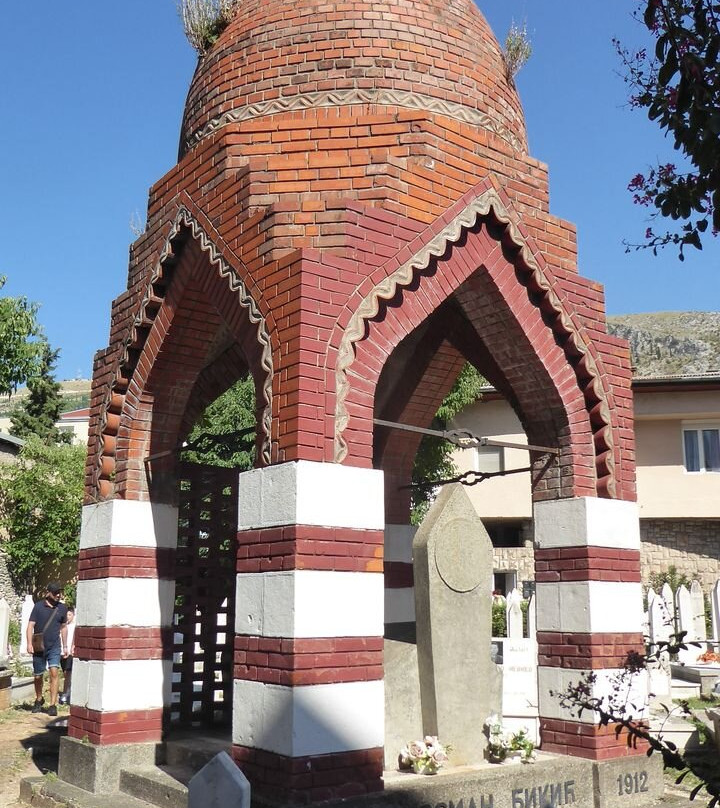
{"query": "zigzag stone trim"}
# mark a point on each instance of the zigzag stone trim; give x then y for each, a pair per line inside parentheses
(481, 207)
(182, 219)
(337, 98)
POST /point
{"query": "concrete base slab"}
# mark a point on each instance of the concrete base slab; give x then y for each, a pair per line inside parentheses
(551, 782)
(97, 768)
(44, 792)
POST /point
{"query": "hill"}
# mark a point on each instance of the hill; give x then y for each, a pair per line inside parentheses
(671, 342)
(75, 394)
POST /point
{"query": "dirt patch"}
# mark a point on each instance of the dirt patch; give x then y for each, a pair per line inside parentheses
(29, 745)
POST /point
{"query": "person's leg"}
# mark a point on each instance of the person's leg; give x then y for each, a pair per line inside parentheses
(54, 681)
(67, 664)
(53, 661)
(38, 670)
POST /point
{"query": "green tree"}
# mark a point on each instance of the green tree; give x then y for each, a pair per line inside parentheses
(677, 83)
(20, 343)
(224, 435)
(39, 411)
(434, 456)
(40, 504)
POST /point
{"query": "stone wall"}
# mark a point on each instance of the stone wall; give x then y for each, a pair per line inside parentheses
(7, 590)
(691, 545)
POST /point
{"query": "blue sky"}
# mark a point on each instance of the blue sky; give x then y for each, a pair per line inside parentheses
(91, 102)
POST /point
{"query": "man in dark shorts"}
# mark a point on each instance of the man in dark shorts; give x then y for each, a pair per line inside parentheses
(49, 617)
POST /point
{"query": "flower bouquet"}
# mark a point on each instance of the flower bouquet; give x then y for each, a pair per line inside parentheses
(498, 741)
(423, 757)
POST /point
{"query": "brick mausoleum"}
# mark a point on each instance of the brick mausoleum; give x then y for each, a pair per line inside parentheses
(353, 215)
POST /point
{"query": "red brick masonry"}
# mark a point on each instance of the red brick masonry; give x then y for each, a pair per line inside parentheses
(587, 564)
(308, 661)
(320, 777)
(106, 728)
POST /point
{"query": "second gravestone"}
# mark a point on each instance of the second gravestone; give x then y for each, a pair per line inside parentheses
(459, 684)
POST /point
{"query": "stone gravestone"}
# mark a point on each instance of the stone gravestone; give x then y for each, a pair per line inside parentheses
(219, 784)
(698, 603)
(459, 684)
(27, 608)
(4, 628)
(686, 622)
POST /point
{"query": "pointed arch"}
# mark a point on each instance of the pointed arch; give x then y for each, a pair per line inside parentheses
(185, 226)
(489, 212)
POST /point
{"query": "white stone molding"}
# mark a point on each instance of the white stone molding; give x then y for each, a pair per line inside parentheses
(309, 720)
(310, 493)
(309, 603)
(587, 522)
(128, 523)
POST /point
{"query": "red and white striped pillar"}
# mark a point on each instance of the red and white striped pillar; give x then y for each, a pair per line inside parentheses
(308, 712)
(589, 614)
(399, 581)
(125, 599)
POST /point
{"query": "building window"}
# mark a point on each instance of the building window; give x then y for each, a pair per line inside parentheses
(701, 447)
(489, 459)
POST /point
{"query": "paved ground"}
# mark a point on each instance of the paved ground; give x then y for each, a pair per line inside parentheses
(29, 744)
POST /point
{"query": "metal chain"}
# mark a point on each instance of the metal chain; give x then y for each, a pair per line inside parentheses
(468, 478)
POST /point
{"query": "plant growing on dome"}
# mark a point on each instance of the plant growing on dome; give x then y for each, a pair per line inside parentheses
(517, 50)
(205, 20)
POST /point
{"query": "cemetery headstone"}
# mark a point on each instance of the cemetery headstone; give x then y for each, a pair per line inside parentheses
(715, 610)
(4, 628)
(514, 615)
(686, 622)
(459, 684)
(698, 604)
(219, 784)
(27, 608)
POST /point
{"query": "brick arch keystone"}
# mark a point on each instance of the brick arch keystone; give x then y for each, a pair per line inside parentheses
(185, 222)
(488, 206)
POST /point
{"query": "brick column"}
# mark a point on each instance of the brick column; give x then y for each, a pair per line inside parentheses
(308, 712)
(589, 614)
(125, 597)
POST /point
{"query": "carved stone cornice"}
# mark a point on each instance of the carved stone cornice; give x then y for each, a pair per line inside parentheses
(380, 97)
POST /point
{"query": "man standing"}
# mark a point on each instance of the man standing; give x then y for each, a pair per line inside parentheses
(49, 618)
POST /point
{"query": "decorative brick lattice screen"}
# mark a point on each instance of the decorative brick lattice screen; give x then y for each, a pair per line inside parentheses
(204, 597)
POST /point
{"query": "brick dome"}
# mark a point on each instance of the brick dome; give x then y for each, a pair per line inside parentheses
(284, 55)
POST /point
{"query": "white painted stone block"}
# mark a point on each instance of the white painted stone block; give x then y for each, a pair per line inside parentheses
(309, 720)
(400, 605)
(589, 606)
(310, 603)
(128, 523)
(557, 680)
(130, 684)
(398, 542)
(307, 493)
(141, 602)
(587, 521)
